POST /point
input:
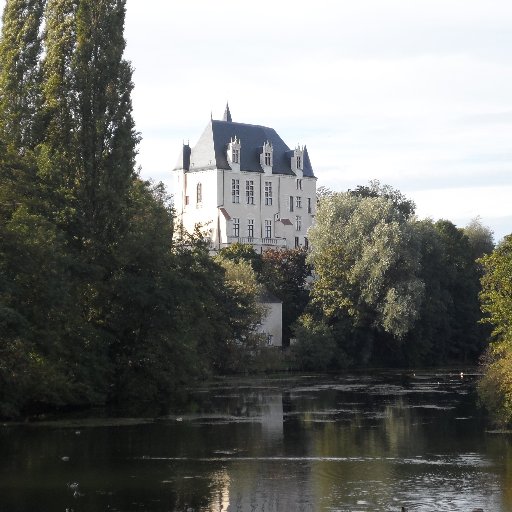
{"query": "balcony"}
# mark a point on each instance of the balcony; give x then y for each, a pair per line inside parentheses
(259, 242)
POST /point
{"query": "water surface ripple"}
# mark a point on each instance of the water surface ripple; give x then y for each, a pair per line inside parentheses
(355, 443)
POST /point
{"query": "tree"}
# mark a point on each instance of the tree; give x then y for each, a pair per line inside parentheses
(285, 274)
(447, 328)
(495, 387)
(480, 238)
(374, 189)
(20, 74)
(242, 252)
(366, 263)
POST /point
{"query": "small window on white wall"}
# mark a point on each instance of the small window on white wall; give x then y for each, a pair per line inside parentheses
(250, 228)
(268, 229)
(236, 227)
(235, 190)
(199, 193)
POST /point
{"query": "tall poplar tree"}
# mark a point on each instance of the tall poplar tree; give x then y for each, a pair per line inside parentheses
(20, 73)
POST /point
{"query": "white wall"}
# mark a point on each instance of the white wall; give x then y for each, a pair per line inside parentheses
(272, 322)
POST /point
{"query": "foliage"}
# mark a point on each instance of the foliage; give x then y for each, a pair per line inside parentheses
(366, 263)
(447, 329)
(481, 239)
(316, 348)
(404, 206)
(285, 274)
(242, 252)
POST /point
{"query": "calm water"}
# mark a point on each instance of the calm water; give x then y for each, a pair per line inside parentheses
(354, 443)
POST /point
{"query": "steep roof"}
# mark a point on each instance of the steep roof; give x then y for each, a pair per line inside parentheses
(211, 149)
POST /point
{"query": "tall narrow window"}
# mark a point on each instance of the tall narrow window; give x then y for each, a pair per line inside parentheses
(235, 156)
(236, 227)
(250, 228)
(268, 193)
(235, 191)
(268, 158)
(306, 243)
(291, 203)
(298, 223)
(299, 162)
(299, 182)
(309, 205)
(249, 191)
(268, 229)
(199, 193)
(296, 242)
(298, 202)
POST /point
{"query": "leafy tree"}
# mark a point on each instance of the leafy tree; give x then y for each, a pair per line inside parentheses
(447, 328)
(316, 348)
(242, 252)
(495, 387)
(20, 74)
(480, 238)
(285, 274)
(366, 263)
(374, 189)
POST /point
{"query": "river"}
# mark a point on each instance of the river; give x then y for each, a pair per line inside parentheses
(359, 442)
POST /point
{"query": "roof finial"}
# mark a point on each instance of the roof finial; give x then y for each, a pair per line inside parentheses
(227, 114)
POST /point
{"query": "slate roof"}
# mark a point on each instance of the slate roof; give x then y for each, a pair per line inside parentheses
(211, 149)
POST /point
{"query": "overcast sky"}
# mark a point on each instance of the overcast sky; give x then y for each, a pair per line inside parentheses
(414, 93)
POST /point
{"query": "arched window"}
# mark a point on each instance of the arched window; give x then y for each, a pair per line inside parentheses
(199, 193)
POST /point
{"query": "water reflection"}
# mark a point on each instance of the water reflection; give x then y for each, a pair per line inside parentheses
(353, 443)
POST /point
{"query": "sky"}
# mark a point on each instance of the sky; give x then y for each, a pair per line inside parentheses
(414, 93)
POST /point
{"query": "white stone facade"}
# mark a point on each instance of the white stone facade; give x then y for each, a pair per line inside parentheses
(241, 183)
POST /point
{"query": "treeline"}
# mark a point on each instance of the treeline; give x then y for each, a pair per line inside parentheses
(100, 301)
(390, 289)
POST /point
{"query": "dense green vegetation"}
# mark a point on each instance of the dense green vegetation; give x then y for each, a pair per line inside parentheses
(101, 301)
(98, 301)
(390, 289)
(495, 387)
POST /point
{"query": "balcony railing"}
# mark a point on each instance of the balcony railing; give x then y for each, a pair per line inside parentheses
(273, 242)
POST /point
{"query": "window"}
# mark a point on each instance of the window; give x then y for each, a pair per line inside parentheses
(235, 156)
(269, 339)
(309, 205)
(268, 193)
(306, 243)
(235, 191)
(250, 228)
(268, 229)
(299, 182)
(299, 163)
(268, 158)
(298, 223)
(187, 200)
(298, 202)
(199, 193)
(236, 227)
(291, 203)
(249, 191)
(296, 242)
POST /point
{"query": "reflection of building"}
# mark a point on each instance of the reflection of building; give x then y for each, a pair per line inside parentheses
(244, 184)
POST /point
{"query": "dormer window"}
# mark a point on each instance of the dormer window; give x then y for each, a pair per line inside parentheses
(267, 155)
(234, 151)
(297, 162)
